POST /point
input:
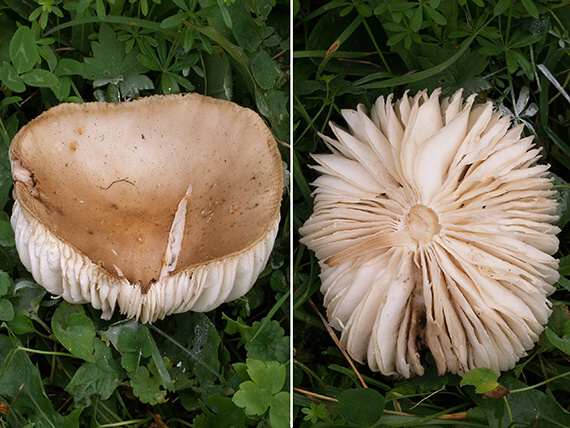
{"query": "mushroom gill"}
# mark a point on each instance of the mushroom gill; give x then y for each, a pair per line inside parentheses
(433, 226)
(160, 205)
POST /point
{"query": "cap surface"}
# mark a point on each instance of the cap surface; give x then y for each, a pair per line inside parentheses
(133, 196)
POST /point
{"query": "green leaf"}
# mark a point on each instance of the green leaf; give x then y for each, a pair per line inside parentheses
(483, 379)
(512, 64)
(524, 64)
(401, 6)
(393, 27)
(5, 283)
(257, 394)
(278, 281)
(263, 7)
(68, 67)
(63, 88)
(226, 16)
(523, 41)
(227, 415)
(100, 9)
(564, 282)
(133, 84)
(381, 8)
(111, 66)
(111, 335)
(265, 71)
(502, 6)
(279, 410)
(150, 62)
(21, 324)
(237, 326)
(491, 51)
(267, 343)
(9, 101)
(6, 310)
(417, 19)
(246, 34)
(99, 378)
(530, 8)
(174, 21)
(346, 10)
(273, 104)
(160, 366)
(201, 352)
(134, 345)
(252, 398)
(361, 407)
(20, 378)
(219, 76)
(396, 38)
(40, 78)
(364, 10)
(562, 343)
(436, 16)
(23, 52)
(168, 84)
(147, 389)
(10, 78)
(74, 330)
(269, 375)
(6, 234)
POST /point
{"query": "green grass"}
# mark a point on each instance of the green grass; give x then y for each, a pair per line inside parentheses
(60, 364)
(513, 52)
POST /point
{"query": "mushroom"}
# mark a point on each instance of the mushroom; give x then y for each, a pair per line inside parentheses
(160, 205)
(433, 228)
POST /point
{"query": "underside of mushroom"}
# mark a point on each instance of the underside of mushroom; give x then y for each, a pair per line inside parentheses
(160, 205)
(433, 227)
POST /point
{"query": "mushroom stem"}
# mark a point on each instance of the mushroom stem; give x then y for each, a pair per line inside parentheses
(176, 235)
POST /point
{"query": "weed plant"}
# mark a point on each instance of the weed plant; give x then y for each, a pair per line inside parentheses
(514, 52)
(60, 364)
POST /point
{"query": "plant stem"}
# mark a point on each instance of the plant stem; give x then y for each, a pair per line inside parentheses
(376, 46)
(514, 391)
(508, 409)
(37, 351)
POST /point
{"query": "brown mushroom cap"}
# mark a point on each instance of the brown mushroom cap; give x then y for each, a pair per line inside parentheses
(107, 182)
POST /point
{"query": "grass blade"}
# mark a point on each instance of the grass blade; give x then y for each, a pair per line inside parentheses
(553, 80)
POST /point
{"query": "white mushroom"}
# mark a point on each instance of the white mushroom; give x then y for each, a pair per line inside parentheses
(160, 206)
(432, 224)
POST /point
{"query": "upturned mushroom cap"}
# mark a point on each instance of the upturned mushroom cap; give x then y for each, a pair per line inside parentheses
(160, 205)
(432, 224)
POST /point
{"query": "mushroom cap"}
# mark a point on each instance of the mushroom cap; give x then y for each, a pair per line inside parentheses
(433, 228)
(160, 205)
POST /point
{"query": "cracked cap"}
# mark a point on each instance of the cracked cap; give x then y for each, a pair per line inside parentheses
(139, 203)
